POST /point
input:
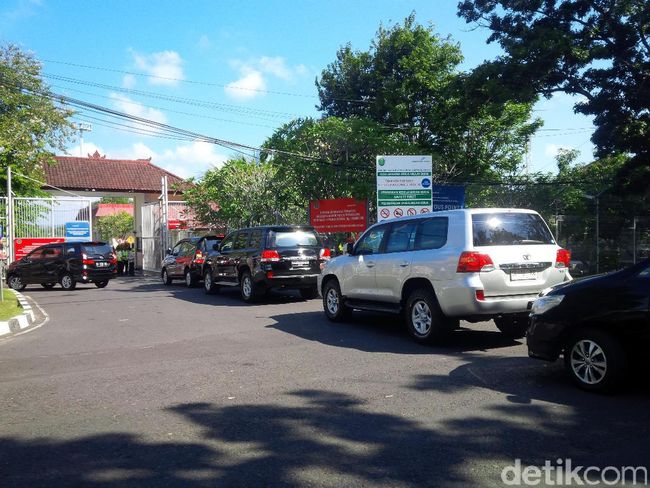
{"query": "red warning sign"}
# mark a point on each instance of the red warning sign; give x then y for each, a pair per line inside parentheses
(411, 211)
(385, 213)
(398, 212)
(424, 210)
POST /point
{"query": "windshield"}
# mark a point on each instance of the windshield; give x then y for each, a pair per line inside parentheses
(509, 228)
(293, 238)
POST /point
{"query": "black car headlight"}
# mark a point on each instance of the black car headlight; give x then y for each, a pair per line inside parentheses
(545, 303)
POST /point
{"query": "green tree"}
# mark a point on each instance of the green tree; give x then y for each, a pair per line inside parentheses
(598, 49)
(409, 83)
(242, 193)
(116, 226)
(32, 123)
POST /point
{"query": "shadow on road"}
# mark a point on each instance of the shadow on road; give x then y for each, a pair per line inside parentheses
(332, 439)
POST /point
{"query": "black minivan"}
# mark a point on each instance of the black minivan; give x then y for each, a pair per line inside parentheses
(66, 263)
(259, 259)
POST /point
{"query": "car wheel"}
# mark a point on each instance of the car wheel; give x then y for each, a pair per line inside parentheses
(335, 309)
(190, 280)
(68, 282)
(309, 293)
(513, 326)
(16, 283)
(249, 291)
(48, 286)
(595, 360)
(101, 284)
(208, 285)
(165, 277)
(425, 320)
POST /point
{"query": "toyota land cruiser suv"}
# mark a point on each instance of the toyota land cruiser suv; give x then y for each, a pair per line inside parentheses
(259, 259)
(441, 267)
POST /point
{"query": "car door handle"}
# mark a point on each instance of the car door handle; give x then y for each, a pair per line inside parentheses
(370, 264)
(404, 265)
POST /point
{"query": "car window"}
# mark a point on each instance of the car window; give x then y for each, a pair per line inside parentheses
(370, 242)
(177, 249)
(401, 236)
(53, 252)
(293, 238)
(256, 239)
(432, 233)
(97, 249)
(510, 228)
(226, 244)
(208, 244)
(71, 249)
(37, 254)
(187, 248)
(242, 240)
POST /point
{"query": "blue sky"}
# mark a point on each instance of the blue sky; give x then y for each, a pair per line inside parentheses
(229, 70)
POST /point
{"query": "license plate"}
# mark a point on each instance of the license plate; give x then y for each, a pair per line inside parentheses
(523, 275)
(299, 264)
(101, 264)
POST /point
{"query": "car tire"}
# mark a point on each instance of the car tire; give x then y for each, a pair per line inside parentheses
(68, 282)
(248, 289)
(190, 279)
(48, 286)
(309, 293)
(16, 283)
(333, 304)
(595, 360)
(165, 277)
(513, 326)
(426, 322)
(101, 284)
(208, 285)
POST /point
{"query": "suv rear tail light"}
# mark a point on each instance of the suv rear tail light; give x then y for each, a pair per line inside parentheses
(86, 260)
(269, 256)
(113, 258)
(563, 258)
(198, 257)
(474, 262)
(325, 253)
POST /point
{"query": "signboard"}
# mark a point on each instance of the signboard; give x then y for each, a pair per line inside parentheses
(339, 215)
(175, 224)
(23, 246)
(79, 230)
(448, 197)
(403, 186)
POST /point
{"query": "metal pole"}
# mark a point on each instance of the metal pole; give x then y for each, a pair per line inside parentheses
(10, 218)
(597, 234)
(634, 241)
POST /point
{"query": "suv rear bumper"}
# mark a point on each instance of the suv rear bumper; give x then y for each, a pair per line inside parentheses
(94, 276)
(462, 302)
(287, 281)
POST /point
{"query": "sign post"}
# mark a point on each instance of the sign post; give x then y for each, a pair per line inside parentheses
(403, 186)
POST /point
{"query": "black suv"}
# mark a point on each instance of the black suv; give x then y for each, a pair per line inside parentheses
(187, 258)
(66, 263)
(258, 259)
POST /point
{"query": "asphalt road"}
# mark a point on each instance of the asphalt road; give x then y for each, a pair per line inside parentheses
(139, 384)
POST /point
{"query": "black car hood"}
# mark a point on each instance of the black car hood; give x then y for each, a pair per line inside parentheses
(586, 282)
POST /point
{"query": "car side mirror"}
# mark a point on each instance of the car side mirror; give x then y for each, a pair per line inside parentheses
(350, 248)
(168, 252)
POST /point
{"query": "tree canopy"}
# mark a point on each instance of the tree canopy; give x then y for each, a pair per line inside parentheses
(597, 49)
(32, 124)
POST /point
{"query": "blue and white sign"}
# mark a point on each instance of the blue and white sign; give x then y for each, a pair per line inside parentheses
(78, 230)
(448, 197)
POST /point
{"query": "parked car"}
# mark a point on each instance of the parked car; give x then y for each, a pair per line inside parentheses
(597, 323)
(578, 268)
(438, 268)
(65, 263)
(186, 260)
(259, 259)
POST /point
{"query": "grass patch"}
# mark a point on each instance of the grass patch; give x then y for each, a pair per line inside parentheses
(9, 307)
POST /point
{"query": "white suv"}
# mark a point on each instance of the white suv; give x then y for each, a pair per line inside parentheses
(438, 268)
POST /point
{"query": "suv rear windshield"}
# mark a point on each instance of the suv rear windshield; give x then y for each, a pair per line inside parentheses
(509, 229)
(95, 249)
(293, 238)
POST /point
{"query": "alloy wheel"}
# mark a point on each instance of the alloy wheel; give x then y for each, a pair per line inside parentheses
(332, 301)
(421, 317)
(588, 362)
(246, 286)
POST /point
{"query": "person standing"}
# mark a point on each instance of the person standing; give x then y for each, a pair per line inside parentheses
(131, 260)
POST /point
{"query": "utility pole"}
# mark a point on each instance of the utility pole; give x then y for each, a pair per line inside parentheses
(164, 225)
(81, 127)
(10, 218)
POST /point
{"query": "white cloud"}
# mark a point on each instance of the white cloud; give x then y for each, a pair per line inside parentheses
(165, 67)
(553, 150)
(88, 148)
(129, 81)
(204, 43)
(248, 86)
(125, 104)
(275, 66)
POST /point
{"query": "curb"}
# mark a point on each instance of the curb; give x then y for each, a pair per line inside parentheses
(19, 322)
